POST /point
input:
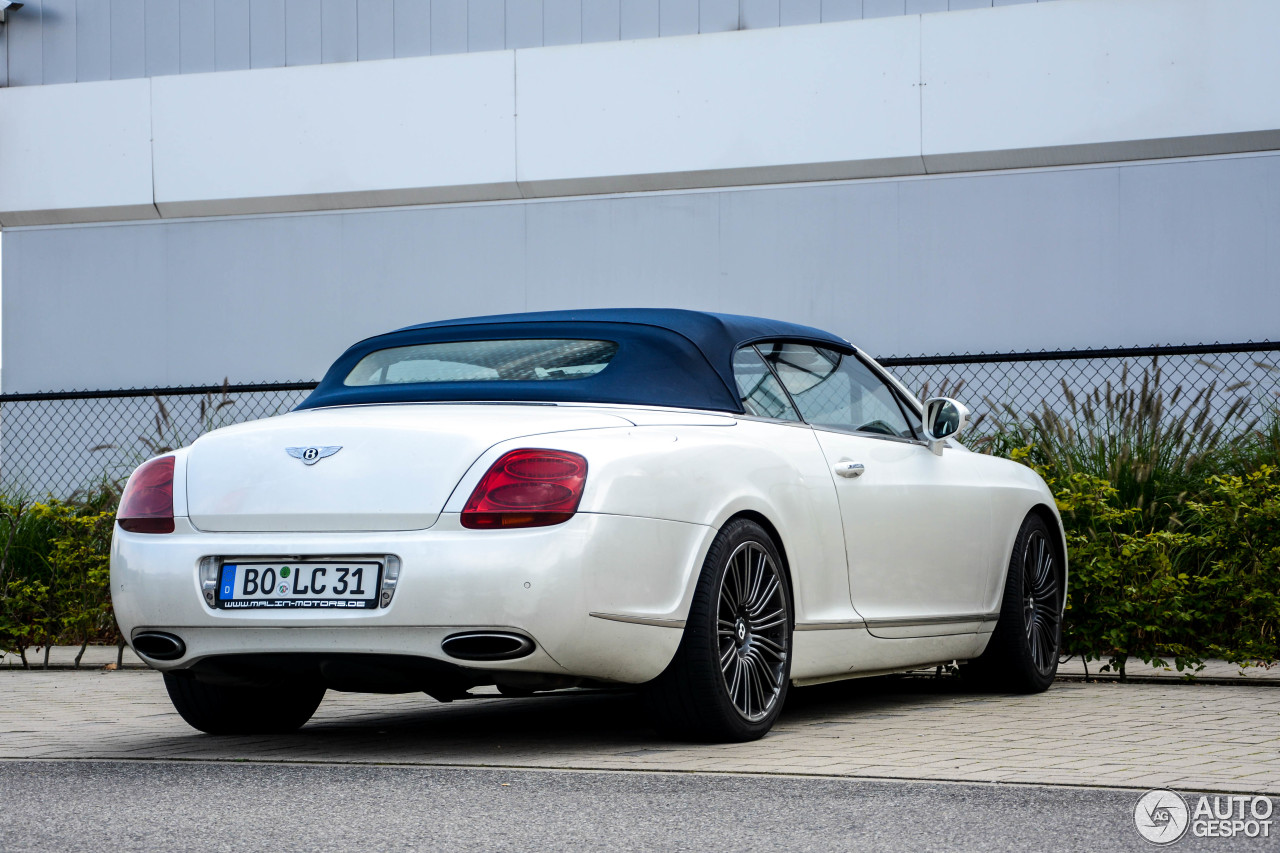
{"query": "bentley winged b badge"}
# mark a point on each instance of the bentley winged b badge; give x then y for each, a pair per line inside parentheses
(312, 455)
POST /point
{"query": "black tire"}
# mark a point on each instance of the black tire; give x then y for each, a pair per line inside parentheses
(225, 710)
(1022, 656)
(708, 692)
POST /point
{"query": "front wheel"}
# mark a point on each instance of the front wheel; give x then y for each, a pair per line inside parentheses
(234, 710)
(729, 678)
(1022, 656)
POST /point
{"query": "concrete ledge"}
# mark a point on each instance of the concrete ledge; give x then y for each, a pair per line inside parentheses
(1104, 152)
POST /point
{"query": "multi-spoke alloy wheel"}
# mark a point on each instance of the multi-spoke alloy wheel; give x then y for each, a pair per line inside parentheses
(728, 680)
(753, 631)
(1022, 654)
(1041, 609)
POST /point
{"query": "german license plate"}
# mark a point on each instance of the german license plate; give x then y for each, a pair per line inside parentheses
(313, 586)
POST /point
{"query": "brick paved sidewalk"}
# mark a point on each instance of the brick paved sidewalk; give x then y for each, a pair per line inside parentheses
(1193, 737)
(96, 657)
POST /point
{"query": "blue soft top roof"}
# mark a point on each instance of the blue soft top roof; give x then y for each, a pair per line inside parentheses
(666, 357)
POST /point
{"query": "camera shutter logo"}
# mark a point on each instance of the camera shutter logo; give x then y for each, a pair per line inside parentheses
(312, 455)
(1161, 816)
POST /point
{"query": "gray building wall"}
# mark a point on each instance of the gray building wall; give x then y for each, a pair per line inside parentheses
(68, 41)
(1175, 251)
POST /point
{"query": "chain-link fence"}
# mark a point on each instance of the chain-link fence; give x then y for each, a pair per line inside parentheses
(1236, 382)
(59, 443)
(62, 442)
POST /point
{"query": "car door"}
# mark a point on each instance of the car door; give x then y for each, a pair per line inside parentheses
(916, 525)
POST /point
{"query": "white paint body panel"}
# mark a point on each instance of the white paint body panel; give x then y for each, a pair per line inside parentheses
(604, 595)
(397, 466)
(943, 500)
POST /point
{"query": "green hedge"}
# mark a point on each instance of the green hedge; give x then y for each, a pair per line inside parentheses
(55, 573)
(1172, 520)
(1208, 589)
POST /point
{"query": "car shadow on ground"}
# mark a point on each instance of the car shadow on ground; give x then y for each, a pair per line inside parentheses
(594, 719)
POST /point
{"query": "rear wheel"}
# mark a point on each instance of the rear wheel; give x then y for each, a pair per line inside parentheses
(1022, 656)
(235, 710)
(729, 678)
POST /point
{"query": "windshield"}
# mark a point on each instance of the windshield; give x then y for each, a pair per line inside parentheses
(483, 361)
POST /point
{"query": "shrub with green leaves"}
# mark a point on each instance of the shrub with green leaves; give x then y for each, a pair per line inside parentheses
(1172, 521)
(55, 572)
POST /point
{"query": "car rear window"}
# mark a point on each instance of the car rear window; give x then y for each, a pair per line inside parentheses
(483, 361)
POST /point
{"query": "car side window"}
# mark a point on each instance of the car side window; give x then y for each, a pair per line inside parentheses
(762, 396)
(836, 390)
(917, 425)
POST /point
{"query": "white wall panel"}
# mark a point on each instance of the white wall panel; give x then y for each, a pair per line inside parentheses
(304, 32)
(4, 59)
(719, 16)
(1179, 251)
(797, 12)
(448, 26)
(231, 35)
(639, 19)
(486, 25)
(93, 40)
(58, 42)
(339, 24)
(75, 152)
(830, 101)
(197, 42)
(162, 35)
(26, 45)
(1096, 80)
(1036, 84)
(677, 18)
(612, 253)
(413, 28)
(841, 10)
(400, 132)
(562, 22)
(601, 20)
(757, 14)
(268, 34)
(523, 23)
(376, 29)
(128, 39)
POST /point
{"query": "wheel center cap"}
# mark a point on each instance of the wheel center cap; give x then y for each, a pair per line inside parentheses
(740, 630)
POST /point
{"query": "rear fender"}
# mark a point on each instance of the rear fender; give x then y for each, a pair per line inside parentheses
(706, 475)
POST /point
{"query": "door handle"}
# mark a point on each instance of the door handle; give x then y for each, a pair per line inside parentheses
(850, 469)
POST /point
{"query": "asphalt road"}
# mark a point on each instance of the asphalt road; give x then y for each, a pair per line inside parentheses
(164, 806)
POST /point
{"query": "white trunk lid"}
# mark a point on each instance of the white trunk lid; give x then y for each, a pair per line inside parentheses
(396, 468)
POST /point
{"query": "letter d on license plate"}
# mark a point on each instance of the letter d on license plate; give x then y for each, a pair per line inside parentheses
(311, 586)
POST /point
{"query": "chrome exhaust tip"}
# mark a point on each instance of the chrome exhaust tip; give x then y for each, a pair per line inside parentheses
(487, 646)
(158, 645)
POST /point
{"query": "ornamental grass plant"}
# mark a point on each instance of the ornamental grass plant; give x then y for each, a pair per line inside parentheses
(1170, 501)
(1171, 505)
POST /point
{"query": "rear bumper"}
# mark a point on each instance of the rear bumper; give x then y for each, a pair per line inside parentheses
(543, 583)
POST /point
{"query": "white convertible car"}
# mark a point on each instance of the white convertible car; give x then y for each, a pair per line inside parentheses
(710, 508)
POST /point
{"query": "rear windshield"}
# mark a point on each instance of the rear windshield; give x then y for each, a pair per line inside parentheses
(483, 361)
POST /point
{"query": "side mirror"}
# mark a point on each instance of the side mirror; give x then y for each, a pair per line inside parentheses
(943, 418)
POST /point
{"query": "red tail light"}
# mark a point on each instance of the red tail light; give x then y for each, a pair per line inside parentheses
(527, 488)
(147, 503)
